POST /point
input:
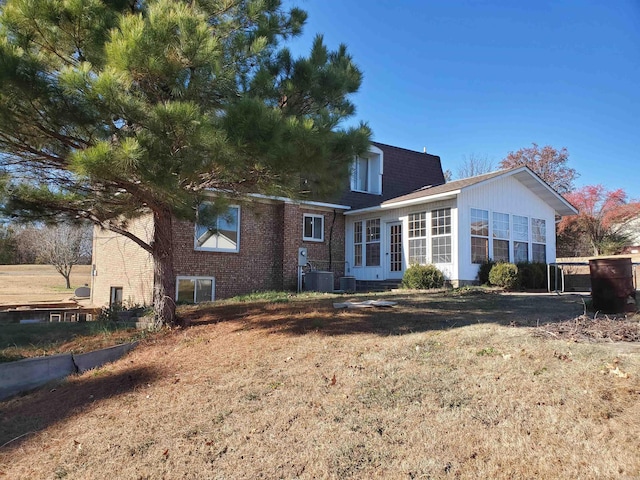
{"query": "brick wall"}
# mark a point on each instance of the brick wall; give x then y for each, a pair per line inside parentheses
(270, 235)
(118, 262)
(258, 264)
(317, 252)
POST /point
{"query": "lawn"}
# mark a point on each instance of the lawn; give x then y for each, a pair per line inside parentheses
(447, 385)
(32, 283)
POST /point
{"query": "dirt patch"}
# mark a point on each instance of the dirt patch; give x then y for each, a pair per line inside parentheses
(587, 329)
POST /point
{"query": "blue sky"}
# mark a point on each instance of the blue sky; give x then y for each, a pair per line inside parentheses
(490, 77)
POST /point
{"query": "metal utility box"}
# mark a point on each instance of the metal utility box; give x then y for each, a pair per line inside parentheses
(318, 281)
(348, 284)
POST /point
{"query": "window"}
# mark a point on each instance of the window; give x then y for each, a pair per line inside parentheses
(366, 242)
(539, 240)
(115, 296)
(539, 253)
(357, 243)
(441, 235)
(313, 228)
(500, 237)
(194, 289)
(361, 174)
(538, 231)
(520, 239)
(366, 173)
(218, 233)
(418, 238)
(373, 243)
(479, 235)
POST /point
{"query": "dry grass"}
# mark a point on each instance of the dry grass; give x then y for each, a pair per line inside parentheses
(35, 340)
(441, 386)
(32, 283)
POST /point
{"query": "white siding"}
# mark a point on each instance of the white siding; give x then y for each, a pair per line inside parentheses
(504, 195)
(395, 215)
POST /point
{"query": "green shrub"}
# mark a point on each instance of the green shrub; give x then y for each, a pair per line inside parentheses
(504, 275)
(483, 271)
(532, 275)
(422, 277)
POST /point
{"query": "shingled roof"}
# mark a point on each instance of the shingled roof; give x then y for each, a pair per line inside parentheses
(523, 174)
(404, 171)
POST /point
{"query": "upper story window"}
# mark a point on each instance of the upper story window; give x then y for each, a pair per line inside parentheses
(313, 228)
(218, 233)
(366, 172)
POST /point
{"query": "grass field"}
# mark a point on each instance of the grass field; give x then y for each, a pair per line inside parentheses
(33, 283)
(448, 385)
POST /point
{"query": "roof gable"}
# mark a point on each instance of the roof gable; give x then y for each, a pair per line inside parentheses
(523, 174)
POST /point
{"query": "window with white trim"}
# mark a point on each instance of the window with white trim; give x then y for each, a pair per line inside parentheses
(418, 238)
(372, 243)
(366, 173)
(520, 239)
(500, 237)
(357, 244)
(538, 240)
(218, 233)
(195, 289)
(313, 228)
(479, 235)
(441, 235)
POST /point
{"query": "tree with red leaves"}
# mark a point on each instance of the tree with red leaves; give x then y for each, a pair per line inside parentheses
(547, 162)
(602, 221)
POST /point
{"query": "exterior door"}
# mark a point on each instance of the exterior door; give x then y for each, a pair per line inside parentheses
(395, 264)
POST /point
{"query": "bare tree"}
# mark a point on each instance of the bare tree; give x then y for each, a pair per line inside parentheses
(62, 246)
(474, 165)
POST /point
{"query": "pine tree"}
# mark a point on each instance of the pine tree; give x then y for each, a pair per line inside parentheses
(114, 109)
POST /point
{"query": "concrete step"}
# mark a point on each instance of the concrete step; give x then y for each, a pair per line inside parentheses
(377, 285)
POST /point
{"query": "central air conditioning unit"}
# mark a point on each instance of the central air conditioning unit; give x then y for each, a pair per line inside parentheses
(318, 281)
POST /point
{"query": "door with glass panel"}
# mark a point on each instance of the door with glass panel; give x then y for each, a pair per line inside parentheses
(395, 264)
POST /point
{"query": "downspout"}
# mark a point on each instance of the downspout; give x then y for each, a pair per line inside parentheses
(331, 241)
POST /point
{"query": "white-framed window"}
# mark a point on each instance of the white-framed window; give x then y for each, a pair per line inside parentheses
(195, 289)
(372, 243)
(313, 227)
(538, 240)
(218, 233)
(441, 235)
(366, 172)
(500, 237)
(357, 244)
(418, 238)
(520, 239)
(479, 235)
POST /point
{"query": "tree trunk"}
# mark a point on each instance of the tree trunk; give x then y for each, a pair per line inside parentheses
(68, 279)
(164, 281)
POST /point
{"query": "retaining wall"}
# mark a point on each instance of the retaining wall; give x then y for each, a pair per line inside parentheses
(23, 375)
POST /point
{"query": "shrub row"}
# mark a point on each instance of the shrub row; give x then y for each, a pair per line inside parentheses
(422, 277)
(526, 275)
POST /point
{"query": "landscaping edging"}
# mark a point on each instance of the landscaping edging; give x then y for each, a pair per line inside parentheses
(23, 375)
